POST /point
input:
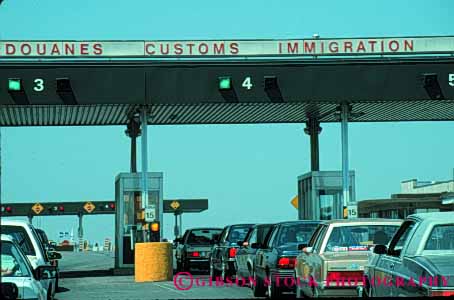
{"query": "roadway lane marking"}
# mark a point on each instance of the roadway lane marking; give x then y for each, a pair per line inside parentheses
(171, 289)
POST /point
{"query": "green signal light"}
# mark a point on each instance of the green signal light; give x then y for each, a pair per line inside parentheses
(14, 85)
(225, 83)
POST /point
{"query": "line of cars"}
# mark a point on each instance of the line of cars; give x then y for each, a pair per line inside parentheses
(29, 263)
(355, 257)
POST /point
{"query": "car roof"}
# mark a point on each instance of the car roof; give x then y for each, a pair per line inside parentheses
(7, 238)
(363, 220)
(205, 228)
(299, 222)
(14, 222)
(241, 225)
(445, 216)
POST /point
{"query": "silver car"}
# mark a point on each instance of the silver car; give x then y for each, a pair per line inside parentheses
(418, 261)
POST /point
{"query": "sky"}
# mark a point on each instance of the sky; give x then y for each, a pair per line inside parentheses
(248, 172)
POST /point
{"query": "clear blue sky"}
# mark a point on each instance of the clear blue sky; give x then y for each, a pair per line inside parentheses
(248, 172)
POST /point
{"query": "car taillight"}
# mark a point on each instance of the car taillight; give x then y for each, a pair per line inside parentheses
(441, 293)
(345, 275)
(286, 262)
(232, 252)
(195, 254)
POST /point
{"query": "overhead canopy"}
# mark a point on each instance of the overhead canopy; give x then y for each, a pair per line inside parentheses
(74, 91)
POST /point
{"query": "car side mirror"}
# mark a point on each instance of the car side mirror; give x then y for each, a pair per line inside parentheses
(256, 246)
(9, 291)
(54, 255)
(45, 272)
(308, 250)
(380, 249)
(302, 246)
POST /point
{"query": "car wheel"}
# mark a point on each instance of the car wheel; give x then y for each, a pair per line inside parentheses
(274, 292)
(224, 272)
(49, 293)
(213, 272)
(257, 286)
(56, 283)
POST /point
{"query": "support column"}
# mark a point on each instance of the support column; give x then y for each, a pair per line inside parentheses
(176, 229)
(30, 219)
(80, 230)
(345, 111)
(180, 223)
(144, 121)
(313, 129)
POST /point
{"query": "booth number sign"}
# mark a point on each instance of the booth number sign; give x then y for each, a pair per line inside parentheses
(150, 214)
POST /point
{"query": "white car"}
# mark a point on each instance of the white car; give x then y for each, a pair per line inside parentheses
(28, 240)
(17, 270)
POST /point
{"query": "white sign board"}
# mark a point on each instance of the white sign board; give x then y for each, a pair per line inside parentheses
(150, 215)
(228, 48)
(352, 211)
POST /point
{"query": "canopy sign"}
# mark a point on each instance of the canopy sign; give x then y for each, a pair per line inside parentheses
(228, 48)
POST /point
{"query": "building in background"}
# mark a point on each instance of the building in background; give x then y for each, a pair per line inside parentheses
(415, 197)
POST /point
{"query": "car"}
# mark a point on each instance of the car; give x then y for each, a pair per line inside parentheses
(193, 250)
(275, 258)
(28, 240)
(17, 271)
(222, 260)
(245, 256)
(50, 248)
(419, 260)
(332, 263)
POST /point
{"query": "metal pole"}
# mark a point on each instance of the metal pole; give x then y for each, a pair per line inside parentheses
(345, 173)
(181, 224)
(144, 121)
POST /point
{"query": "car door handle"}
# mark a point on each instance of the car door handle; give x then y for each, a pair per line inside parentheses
(391, 266)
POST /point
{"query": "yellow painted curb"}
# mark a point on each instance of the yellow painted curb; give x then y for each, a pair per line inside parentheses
(153, 262)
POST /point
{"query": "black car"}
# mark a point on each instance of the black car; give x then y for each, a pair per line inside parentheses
(50, 251)
(275, 258)
(223, 254)
(193, 250)
(245, 256)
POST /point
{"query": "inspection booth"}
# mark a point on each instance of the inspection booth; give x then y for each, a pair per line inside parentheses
(320, 196)
(130, 216)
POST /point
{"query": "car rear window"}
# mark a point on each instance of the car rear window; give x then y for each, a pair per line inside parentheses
(296, 233)
(238, 233)
(359, 237)
(441, 238)
(202, 236)
(20, 235)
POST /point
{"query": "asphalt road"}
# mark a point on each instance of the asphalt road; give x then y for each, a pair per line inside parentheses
(124, 287)
(86, 261)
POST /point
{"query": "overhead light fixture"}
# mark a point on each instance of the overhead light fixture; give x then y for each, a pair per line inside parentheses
(271, 87)
(432, 87)
(65, 91)
(17, 91)
(225, 87)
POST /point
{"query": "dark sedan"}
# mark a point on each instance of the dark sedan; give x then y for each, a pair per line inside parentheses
(224, 251)
(275, 259)
(194, 248)
(245, 256)
(418, 262)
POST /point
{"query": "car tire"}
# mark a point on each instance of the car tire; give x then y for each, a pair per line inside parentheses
(224, 272)
(257, 286)
(56, 283)
(213, 272)
(274, 292)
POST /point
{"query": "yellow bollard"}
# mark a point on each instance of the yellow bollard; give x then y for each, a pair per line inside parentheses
(153, 262)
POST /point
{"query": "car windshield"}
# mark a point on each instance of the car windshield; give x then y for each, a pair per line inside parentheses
(13, 263)
(238, 233)
(20, 235)
(441, 238)
(42, 236)
(202, 236)
(296, 233)
(359, 237)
